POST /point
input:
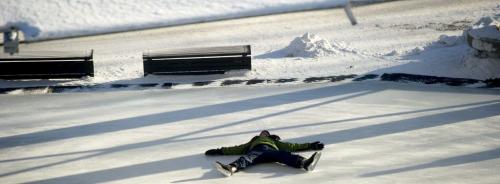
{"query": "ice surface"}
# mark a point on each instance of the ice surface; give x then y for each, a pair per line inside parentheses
(374, 132)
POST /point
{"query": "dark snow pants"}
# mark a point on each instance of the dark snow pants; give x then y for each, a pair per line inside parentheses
(266, 154)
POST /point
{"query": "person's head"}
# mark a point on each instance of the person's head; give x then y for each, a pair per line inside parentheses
(264, 133)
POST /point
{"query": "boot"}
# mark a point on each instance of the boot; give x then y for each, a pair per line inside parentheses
(226, 170)
(310, 163)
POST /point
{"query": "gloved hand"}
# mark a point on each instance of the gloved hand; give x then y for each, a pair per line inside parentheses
(214, 152)
(317, 145)
(275, 137)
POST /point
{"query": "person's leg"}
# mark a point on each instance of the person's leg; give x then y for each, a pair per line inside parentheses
(283, 157)
(310, 163)
(265, 154)
(289, 159)
(247, 160)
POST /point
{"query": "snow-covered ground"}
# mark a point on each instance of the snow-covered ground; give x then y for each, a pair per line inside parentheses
(50, 19)
(375, 132)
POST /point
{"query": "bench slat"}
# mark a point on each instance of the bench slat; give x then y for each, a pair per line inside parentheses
(201, 52)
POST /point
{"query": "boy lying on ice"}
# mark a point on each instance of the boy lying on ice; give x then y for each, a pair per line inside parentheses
(266, 148)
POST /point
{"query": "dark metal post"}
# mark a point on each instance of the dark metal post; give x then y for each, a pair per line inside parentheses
(11, 41)
(350, 15)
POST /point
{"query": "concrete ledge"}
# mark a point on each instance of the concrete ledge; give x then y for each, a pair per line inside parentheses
(394, 77)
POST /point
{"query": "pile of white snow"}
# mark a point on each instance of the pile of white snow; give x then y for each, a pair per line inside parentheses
(310, 46)
(486, 32)
(313, 46)
(487, 21)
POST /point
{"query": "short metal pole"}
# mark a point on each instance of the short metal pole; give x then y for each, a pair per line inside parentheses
(11, 41)
(350, 15)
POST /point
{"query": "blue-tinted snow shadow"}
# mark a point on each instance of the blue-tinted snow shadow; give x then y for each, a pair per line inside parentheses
(488, 109)
(452, 161)
(275, 54)
(354, 89)
(149, 168)
(164, 166)
(429, 61)
(273, 170)
(444, 57)
(178, 115)
(27, 28)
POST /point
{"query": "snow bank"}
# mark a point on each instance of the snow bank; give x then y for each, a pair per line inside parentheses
(485, 68)
(483, 37)
(310, 46)
(485, 34)
(442, 41)
(449, 41)
(64, 18)
(487, 21)
(313, 46)
(449, 55)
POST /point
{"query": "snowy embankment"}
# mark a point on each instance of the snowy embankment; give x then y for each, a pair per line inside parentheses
(301, 45)
(50, 19)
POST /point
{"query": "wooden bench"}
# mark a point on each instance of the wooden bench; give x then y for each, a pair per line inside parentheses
(56, 66)
(196, 61)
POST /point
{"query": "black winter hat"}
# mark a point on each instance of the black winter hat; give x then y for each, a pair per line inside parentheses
(265, 132)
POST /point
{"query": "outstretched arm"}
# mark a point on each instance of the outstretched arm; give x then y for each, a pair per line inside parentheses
(233, 150)
(211, 152)
(316, 146)
(285, 146)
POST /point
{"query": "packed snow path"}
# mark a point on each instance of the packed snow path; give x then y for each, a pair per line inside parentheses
(375, 132)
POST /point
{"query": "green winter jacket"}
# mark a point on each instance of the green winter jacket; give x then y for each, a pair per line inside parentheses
(257, 140)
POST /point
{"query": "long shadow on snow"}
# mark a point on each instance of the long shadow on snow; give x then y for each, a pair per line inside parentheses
(277, 170)
(174, 116)
(457, 160)
(149, 168)
(370, 131)
(176, 138)
(74, 102)
(198, 112)
(193, 113)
